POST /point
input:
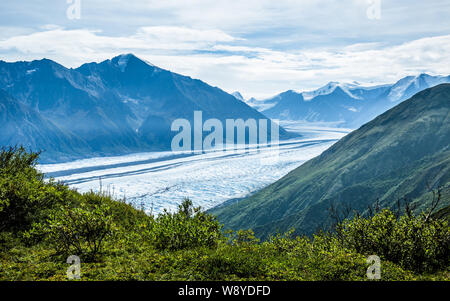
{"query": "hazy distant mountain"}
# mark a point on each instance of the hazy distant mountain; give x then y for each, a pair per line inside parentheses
(396, 155)
(20, 124)
(348, 105)
(114, 107)
(238, 95)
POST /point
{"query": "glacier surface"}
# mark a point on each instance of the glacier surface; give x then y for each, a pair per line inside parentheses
(160, 180)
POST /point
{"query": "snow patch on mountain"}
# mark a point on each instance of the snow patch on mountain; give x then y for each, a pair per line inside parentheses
(329, 88)
(123, 61)
(260, 105)
(238, 95)
(401, 87)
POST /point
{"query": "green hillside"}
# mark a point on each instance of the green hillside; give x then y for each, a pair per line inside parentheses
(400, 154)
(43, 223)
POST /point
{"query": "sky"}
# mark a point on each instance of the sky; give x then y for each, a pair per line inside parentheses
(257, 47)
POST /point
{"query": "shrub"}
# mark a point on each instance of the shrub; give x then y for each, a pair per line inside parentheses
(186, 229)
(244, 238)
(81, 230)
(231, 262)
(123, 214)
(15, 160)
(24, 196)
(413, 242)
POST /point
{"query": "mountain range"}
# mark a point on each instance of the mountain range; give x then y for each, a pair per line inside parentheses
(114, 107)
(402, 153)
(345, 105)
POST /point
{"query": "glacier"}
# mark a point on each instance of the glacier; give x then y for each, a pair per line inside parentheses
(158, 181)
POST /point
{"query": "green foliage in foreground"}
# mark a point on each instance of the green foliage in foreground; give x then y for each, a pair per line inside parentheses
(413, 242)
(43, 223)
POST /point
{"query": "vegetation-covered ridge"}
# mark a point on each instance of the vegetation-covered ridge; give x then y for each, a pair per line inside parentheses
(42, 223)
(403, 153)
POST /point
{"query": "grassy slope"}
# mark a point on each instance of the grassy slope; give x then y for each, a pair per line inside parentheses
(42, 223)
(391, 157)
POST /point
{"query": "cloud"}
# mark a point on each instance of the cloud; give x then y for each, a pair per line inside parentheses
(233, 63)
(173, 37)
(262, 72)
(74, 47)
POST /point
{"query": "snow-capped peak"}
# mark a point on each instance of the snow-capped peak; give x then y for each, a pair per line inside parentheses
(329, 88)
(123, 59)
(433, 80)
(399, 89)
(238, 95)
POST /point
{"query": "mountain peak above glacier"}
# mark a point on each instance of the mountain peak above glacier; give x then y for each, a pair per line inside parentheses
(123, 60)
(330, 88)
(410, 83)
(238, 95)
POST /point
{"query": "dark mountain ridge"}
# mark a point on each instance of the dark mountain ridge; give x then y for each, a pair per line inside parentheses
(114, 107)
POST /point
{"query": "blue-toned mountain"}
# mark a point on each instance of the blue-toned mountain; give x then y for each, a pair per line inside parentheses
(113, 107)
(346, 105)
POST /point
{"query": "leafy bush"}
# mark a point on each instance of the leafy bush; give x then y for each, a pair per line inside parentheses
(15, 160)
(232, 263)
(413, 242)
(24, 196)
(81, 230)
(123, 214)
(187, 228)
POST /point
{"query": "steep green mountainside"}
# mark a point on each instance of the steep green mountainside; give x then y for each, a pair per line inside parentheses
(399, 154)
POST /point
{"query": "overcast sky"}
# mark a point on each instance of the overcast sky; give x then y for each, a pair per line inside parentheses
(258, 47)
